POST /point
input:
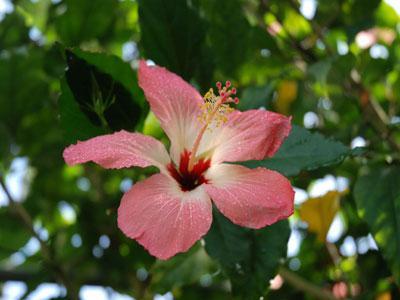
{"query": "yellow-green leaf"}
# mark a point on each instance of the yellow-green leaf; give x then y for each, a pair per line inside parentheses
(319, 212)
(287, 93)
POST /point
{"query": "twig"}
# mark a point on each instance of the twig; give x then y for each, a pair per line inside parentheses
(26, 219)
(375, 115)
(305, 286)
(333, 253)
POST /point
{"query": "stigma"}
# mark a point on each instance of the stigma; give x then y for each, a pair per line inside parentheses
(215, 109)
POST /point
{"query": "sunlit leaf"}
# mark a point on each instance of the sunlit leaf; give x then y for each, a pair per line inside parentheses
(386, 16)
(296, 24)
(286, 94)
(35, 12)
(152, 126)
(319, 212)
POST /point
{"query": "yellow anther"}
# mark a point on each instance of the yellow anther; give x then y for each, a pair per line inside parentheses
(210, 97)
(214, 111)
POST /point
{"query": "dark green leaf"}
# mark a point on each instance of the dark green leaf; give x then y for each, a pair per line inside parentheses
(74, 123)
(13, 31)
(16, 70)
(79, 21)
(377, 195)
(249, 257)
(114, 66)
(363, 10)
(5, 142)
(256, 97)
(231, 37)
(358, 151)
(173, 36)
(13, 235)
(303, 150)
(105, 89)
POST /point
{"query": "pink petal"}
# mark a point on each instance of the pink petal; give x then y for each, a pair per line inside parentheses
(250, 197)
(175, 103)
(253, 134)
(119, 150)
(162, 218)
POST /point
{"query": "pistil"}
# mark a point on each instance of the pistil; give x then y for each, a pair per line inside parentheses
(214, 108)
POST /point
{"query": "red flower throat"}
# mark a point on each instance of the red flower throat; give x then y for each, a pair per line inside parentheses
(189, 179)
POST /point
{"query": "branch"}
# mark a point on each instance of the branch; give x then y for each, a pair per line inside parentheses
(305, 286)
(26, 219)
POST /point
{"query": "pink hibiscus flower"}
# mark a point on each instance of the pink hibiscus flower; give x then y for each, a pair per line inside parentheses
(169, 211)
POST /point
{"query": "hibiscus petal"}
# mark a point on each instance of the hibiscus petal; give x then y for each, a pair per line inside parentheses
(254, 134)
(250, 197)
(162, 218)
(175, 103)
(119, 150)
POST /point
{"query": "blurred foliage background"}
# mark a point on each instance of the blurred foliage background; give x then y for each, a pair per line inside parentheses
(68, 72)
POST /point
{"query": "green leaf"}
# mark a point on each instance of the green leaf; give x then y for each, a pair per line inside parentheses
(75, 124)
(23, 86)
(249, 257)
(105, 89)
(5, 142)
(303, 150)
(296, 24)
(114, 66)
(358, 151)
(13, 235)
(386, 16)
(152, 126)
(377, 195)
(13, 31)
(183, 269)
(232, 39)
(34, 12)
(320, 70)
(79, 21)
(172, 35)
(362, 12)
(256, 97)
